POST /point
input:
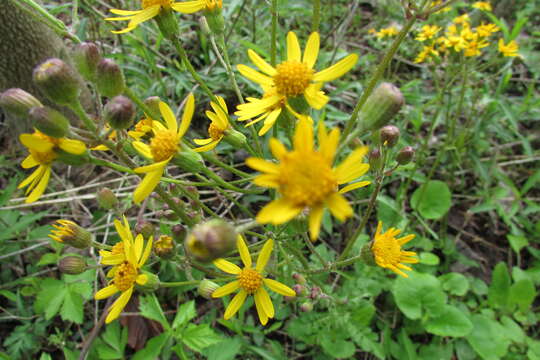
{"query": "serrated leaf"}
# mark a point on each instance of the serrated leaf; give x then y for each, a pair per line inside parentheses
(184, 314)
(432, 200)
(153, 347)
(150, 308)
(224, 350)
(50, 297)
(199, 337)
(419, 294)
(452, 322)
(72, 307)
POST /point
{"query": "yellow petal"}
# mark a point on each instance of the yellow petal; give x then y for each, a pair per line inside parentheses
(187, 115)
(336, 70)
(155, 167)
(261, 297)
(188, 7)
(293, 47)
(267, 180)
(263, 318)
(169, 117)
(106, 292)
(315, 97)
(278, 212)
(29, 162)
(227, 266)
(125, 12)
(209, 146)
(115, 259)
(41, 186)
(312, 50)
(262, 165)
(146, 253)
(141, 279)
(315, 218)
(270, 121)
(277, 148)
(279, 287)
(264, 256)
(261, 64)
(328, 143)
(339, 206)
(354, 186)
(235, 304)
(119, 305)
(352, 167)
(406, 239)
(72, 146)
(35, 143)
(143, 149)
(303, 136)
(226, 289)
(36, 175)
(254, 75)
(147, 185)
(202, 141)
(243, 250)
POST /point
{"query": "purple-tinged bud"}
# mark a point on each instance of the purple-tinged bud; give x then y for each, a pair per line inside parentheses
(18, 102)
(300, 290)
(58, 81)
(299, 278)
(375, 159)
(152, 103)
(110, 78)
(211, 240)
(146, 228)
(119, 112)
(389, 135)
(86, 57)
(106, 199)
(49, 121)
(405, 155)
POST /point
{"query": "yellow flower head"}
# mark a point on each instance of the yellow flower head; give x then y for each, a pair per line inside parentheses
(266, 109)
(69, 233)
(387, 32)
(427, 53)
(439, 2)
(485, 30)
(387, 251)
(117, 254)
(126, 271)
(250, 281)
(463, 19)
(293, 77)
(143, 127)
(305, 177)
(428, 32)
(152, 8)
(482, 5)
(217, 128)
(42, 154)
(510, 49)
(473, 47)
(164, 145)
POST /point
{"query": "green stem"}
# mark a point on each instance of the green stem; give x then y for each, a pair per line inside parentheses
(227, 185)
(247, 226)
(214, 160)
(375, 79)
(101, 246)
(273, 36)
(111, 165)
(228, 66)
(316, 15)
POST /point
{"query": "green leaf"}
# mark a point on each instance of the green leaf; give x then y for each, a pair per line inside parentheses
(47, 259)
(517, 242)
(72, 308)
(522, 293)
(432, 200)
(452, 322)
(150, 308)
(50, 297)
(407, 344)
(488, 338)
(184, 314)
(224, 350)
(419, 294)
(338, 348)
(153, 347)
(198, 337)
(455, 283)
(428, 258)
(513, 330)
(499, 290)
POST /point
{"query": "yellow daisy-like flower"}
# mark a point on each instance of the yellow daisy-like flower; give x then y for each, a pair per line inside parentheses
(143, 127)
(387, 32)
(510, 49)
(152, 8)
(482, 5)
(438, 2)
(164, 145)
(126, 271)
(294, 77)
(117, 254)
(428, 32)
(387, 251)
(463, 19)
(473, 47)
(427, 53)
(305, 177)
(485, 30)
(42, 154)
(217, 128)
(250, 281)
(69, 233)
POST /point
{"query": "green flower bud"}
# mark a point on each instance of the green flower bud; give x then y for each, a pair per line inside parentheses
(164, 247)
(211, 240)
(106, 199)
(110, 78)
(389, 135)
(119, 112)
(189, 160)
(153, 104)
(381, 107)
(69, 233)
(306, 306)
(375, 159)
(146, 228)
(299, 278)
(86, 57)
(72, 265)
(366, 254)
(18, 102)
(152, 282)
(58, 81)
(405, 155)
(206, 288)
(235, 138)
(167, 23)
(178, 232)
(49, 121)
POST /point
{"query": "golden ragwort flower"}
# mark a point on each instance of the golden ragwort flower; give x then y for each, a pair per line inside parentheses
(482, 5)
(126, 271)
(305, 177)
(164, 145)
(69, 233)
(387, 250)
(42, 154)
(387, 32)
(428, 32)
(217, 128)
(510, 49)
(291, 78)
(152, 8)
(250, 281)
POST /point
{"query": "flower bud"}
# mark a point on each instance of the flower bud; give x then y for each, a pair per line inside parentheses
(206, 288)
(299, 278)
(69, 233)
(189, 160)
(211, 240)
(178, 232)
(315, 292)
(366, 254)
(18, 102)
(151, 284)
(106, 199)
(72, 265)
(119, 112)
(306, 306)
(167, 23)
(381, 107)
(164, 247)
(146, 228)
(49, 121)
(389, 135)
(110, 78)
(86, 57)
(375, 159)
(153, 104)
(58, 81)
(300, 290)
(405, 155)
(235, 138)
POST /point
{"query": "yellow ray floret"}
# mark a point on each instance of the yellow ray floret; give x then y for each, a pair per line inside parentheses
(387, 250)
(217, 128)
